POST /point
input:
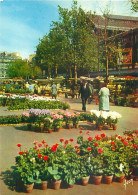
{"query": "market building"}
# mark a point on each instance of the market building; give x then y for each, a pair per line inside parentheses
(5, 59)
(122, 34)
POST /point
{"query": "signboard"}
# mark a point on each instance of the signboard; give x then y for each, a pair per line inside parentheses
(124, 56)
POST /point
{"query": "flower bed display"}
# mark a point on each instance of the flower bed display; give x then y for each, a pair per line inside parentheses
(102, 117)
(46, 120)
(70, 163)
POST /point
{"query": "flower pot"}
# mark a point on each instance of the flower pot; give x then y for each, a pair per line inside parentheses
(75, 125)
(114, 127)
(57, 129)
(100, 127)
(107, 179)
(68, 126)
(49, 130)
(120, 179)
(29, 188)
(29, 126)
(97, 179)
(44, 185)
(85, 180)
(56, 184)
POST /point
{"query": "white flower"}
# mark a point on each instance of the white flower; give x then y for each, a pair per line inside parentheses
(121, 167)
(32, 160)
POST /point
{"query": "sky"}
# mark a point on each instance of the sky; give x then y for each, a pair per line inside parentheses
(24, 22)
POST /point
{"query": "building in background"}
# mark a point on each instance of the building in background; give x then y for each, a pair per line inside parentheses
(118, 33)
(5, 59)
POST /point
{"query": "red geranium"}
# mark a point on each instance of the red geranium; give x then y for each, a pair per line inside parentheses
(61, 140)
(96, 144)
(97, 137)
(20, 152)
(19, 145)
(125, 143)
(40, 145)
(100, 150)
(39, 155)
(67, 141)
(128, 138)
(80, 131)
(43, 142)
(89, 149)
(46, 145)
(87, 132)
(135, 146)
(76, 146)
(54, 147)
(90, 138)
(71, 139)
(102, 135)
(45, 158)
(35, 142)
(122, 140)
(113, 148)
(35, 147)
(78, 150)
(113, 143)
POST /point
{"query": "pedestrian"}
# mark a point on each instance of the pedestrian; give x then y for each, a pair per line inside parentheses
(54, 90)
(104, 97)
(85, 93)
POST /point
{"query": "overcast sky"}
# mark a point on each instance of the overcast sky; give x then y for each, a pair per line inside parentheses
(23, 22)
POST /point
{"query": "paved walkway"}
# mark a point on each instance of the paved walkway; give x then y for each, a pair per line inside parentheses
(11, 135)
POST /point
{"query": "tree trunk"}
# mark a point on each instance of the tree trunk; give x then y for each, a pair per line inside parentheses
(70, 72)
(56, 70)
(75, 72)
(49, 72)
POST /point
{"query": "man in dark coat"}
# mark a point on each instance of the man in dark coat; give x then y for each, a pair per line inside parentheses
(85, 93)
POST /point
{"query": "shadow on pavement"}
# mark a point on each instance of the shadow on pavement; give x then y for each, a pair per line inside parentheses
(11, 179)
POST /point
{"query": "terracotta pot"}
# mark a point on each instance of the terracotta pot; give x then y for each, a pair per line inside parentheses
(68, 126)
(71, 186)
(100, 127)
(114, 127)
(44, 185)
(29, 126)
(121, 178)
(56, 184)
(85, 180)
(97, 179)
(49, 130)
(29, 188)
(57, 129)
(107, 179)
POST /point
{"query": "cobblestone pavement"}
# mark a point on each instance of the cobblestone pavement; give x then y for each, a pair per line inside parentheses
(11, 135)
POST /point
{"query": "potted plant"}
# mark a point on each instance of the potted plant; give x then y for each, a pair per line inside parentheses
(97, 170)
(48, 124)
(68, 119)
(55, 176)
(76, 119)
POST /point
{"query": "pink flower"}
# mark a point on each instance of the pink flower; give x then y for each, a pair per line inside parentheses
(100, 150)
(35, 142)
(87, 132)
